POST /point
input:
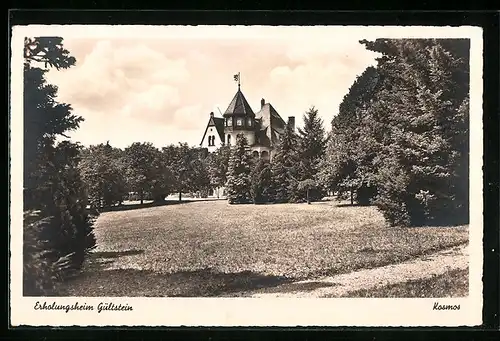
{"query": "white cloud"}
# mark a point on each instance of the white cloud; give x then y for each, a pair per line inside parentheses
(162, 90)
(111, 76)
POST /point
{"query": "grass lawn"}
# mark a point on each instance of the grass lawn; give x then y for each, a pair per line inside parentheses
(209, 248)
(453, 283)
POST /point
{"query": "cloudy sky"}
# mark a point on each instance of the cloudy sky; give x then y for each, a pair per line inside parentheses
(160, 88)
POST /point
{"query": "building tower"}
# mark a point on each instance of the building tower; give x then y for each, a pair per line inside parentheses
(239, 118)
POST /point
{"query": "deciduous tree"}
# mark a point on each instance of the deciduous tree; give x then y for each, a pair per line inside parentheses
(103, 172)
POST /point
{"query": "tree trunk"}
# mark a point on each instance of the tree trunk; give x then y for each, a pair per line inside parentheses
(352, 198)
(308, 200)
(180, 196)
(142, 198)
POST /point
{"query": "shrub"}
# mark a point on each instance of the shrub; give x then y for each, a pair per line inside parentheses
(41, 275)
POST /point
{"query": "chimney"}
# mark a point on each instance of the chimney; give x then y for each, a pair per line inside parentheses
(262, 102)
(212, 114)
(291, 122)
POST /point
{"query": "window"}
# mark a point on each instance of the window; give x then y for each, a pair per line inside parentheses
(228, 139)
(229, 122)
(211, 140)
(239, 122)
(249, 122)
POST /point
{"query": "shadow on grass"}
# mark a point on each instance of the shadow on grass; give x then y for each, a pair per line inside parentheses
(197, 283)
(353, 205)
(291, 288)
(127, 207)
(117, 254)
(453, 283)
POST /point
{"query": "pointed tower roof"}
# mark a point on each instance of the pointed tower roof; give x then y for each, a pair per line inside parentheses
(239, 106)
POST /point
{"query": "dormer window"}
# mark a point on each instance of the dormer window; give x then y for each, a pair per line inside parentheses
(249, 122)
(239, 122)
(229, 122)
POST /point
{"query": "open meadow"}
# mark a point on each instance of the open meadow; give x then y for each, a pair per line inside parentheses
(211, 248)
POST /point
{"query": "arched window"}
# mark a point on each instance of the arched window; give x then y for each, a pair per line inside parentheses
(264, 155)
(255, 154)
(211, 140)
(228, 139)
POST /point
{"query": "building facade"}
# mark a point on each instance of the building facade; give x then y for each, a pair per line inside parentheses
(262, 129)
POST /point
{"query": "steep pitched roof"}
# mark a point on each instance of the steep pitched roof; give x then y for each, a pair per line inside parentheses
(239, 105)
(218, 123)
(271, 124)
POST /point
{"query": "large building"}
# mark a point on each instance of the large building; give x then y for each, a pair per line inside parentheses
(262, 129)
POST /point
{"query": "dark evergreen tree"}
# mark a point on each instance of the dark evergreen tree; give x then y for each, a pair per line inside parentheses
(419, 125)
(238, 175)
(52, 183)
(261, 182)
(347, 166)
(285, 168)
(311, 150)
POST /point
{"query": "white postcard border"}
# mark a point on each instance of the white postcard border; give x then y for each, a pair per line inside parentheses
(248, 311)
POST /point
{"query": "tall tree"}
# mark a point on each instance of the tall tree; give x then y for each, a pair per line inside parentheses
(418, 121)
(261, 182)
(285, 168)
(218, 163)
(200, 176)
(347, 166)
(44, 117)
(238, 175)
(311, 150)
(52, 183)
(184, 167)
(143, 167)
(102, 171)
(162, 177)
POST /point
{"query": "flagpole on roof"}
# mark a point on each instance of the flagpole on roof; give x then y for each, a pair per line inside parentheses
(237, 79)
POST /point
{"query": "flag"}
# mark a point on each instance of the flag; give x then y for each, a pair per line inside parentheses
(237, 77)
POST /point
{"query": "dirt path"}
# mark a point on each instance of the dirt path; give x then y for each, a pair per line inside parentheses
(340, 285)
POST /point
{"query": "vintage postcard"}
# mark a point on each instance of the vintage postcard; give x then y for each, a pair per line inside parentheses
(246, 176)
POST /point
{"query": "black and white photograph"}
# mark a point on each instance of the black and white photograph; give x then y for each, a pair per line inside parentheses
(246, 175)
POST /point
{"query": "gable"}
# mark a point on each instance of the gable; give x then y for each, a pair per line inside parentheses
(218, 124)
(271, 123)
